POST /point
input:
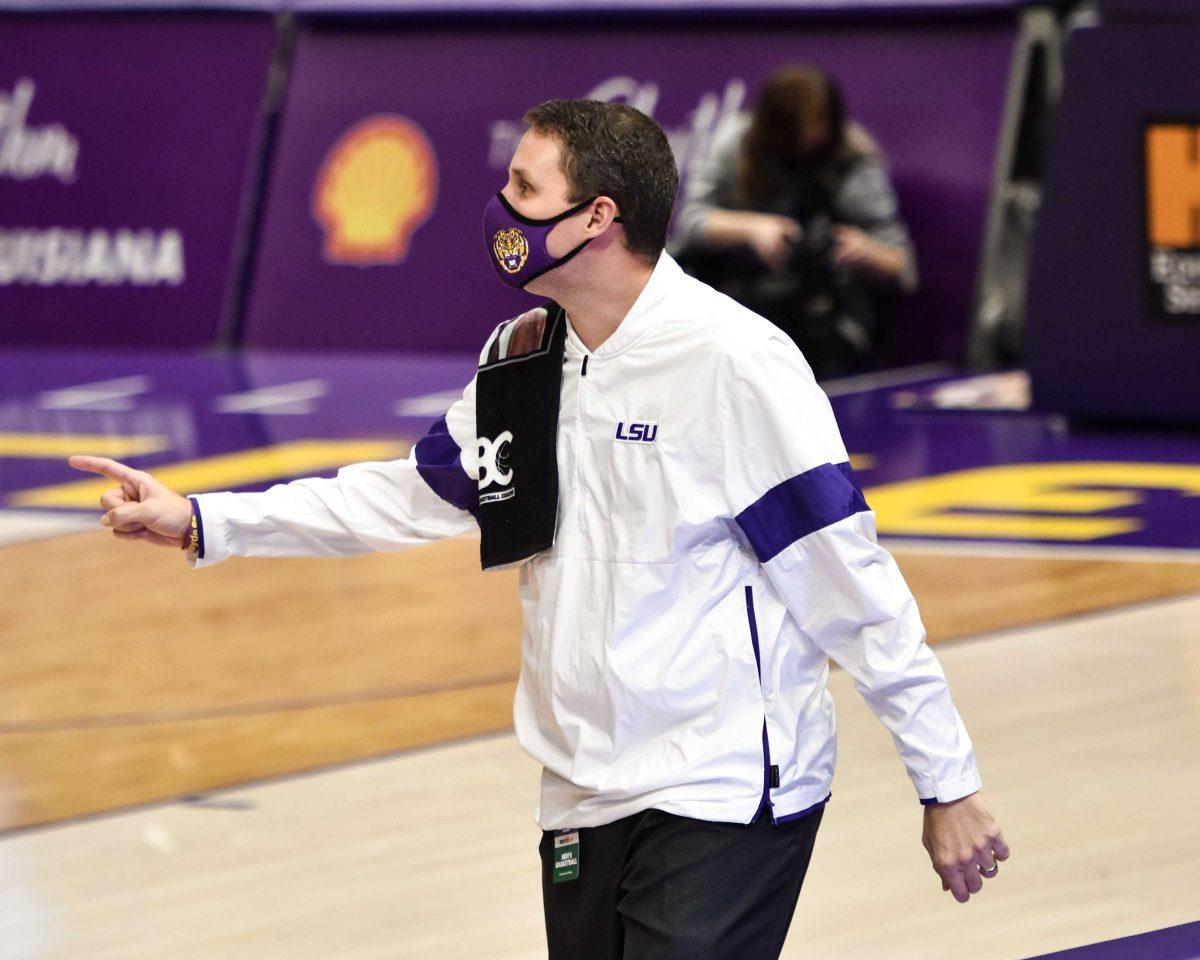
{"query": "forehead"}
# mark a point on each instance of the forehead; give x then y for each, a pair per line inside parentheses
(537, 156)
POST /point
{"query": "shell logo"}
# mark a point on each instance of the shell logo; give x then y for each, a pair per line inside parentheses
(375, 187)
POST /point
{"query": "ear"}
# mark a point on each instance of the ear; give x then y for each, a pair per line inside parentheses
(602, 214)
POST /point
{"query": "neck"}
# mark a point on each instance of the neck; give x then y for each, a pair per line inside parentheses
(599, 298)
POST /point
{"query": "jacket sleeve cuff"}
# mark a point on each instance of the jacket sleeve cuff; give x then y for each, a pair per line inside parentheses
(932, 792)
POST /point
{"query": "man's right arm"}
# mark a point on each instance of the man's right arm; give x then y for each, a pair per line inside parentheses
(429, 495)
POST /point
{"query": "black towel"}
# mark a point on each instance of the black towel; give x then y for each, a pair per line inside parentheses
(516, 421)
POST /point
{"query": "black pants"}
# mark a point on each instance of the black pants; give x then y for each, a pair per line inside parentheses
(657, 886)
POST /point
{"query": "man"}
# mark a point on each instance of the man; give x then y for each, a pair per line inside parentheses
(692, 546)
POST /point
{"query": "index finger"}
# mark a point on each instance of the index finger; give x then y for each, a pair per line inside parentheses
(110, 468)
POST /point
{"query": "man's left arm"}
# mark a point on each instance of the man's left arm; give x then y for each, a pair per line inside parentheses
(796, 500)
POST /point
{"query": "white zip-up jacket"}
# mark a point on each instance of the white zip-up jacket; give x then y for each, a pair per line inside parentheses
(713, 551)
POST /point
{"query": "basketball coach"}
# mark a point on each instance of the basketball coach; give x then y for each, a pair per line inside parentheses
(693, 548)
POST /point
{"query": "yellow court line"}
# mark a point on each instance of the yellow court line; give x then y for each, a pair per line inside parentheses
(50, 445)
(223, 472)
(1060, 500)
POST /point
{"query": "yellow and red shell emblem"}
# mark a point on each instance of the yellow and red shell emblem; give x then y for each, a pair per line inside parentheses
(511, 249)
(375, 187)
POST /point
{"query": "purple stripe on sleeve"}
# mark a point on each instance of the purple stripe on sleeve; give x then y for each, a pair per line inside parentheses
(439, 465)
(799, 506)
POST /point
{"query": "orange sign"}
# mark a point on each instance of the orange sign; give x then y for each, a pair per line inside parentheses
(375, 188)
(1173, 184)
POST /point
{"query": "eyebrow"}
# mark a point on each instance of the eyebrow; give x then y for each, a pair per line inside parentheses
(521, 173)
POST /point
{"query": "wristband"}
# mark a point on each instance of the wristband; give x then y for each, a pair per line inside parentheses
(191, 539)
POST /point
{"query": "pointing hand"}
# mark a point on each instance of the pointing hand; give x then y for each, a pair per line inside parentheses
(140, 508)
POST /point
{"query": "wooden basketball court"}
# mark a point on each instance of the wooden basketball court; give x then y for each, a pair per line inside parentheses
(138, 679)
(1087, 730)
(300, 758)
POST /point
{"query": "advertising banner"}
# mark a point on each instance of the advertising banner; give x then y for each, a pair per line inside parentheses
(124, 144)
(41, 6)
(687, 7)
(505, 7)
(395, 136)
(1113, 310)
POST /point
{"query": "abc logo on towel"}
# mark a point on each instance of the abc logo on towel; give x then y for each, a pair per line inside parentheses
(376, 186)
(494, 467)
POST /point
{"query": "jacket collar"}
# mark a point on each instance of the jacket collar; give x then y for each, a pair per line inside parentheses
(647, 309)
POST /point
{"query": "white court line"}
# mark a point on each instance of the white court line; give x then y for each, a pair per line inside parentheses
(284, 398)
(101, 395)
(22, 526)
(426, 405)
(862, 383)
(975, 548)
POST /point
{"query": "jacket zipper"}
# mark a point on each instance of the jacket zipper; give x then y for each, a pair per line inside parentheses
(580, 439)
(770, 771)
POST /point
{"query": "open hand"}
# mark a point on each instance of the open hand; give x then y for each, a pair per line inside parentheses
(963, 839)
(140, 508)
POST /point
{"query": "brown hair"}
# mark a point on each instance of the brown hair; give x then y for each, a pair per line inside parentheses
(613, 150)
(794, 100)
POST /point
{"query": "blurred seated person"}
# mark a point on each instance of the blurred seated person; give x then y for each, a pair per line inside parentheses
(793, 214)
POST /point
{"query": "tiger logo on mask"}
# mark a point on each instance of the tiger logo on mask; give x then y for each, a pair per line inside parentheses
(511, 249)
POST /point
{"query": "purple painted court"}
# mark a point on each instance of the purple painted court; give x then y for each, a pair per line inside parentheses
(1173, 943)
(936, 453)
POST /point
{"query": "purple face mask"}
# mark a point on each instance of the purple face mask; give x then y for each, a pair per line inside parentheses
(518, 244)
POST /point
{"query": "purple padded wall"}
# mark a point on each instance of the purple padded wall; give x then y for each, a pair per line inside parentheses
(124, 141)
(437, 109)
